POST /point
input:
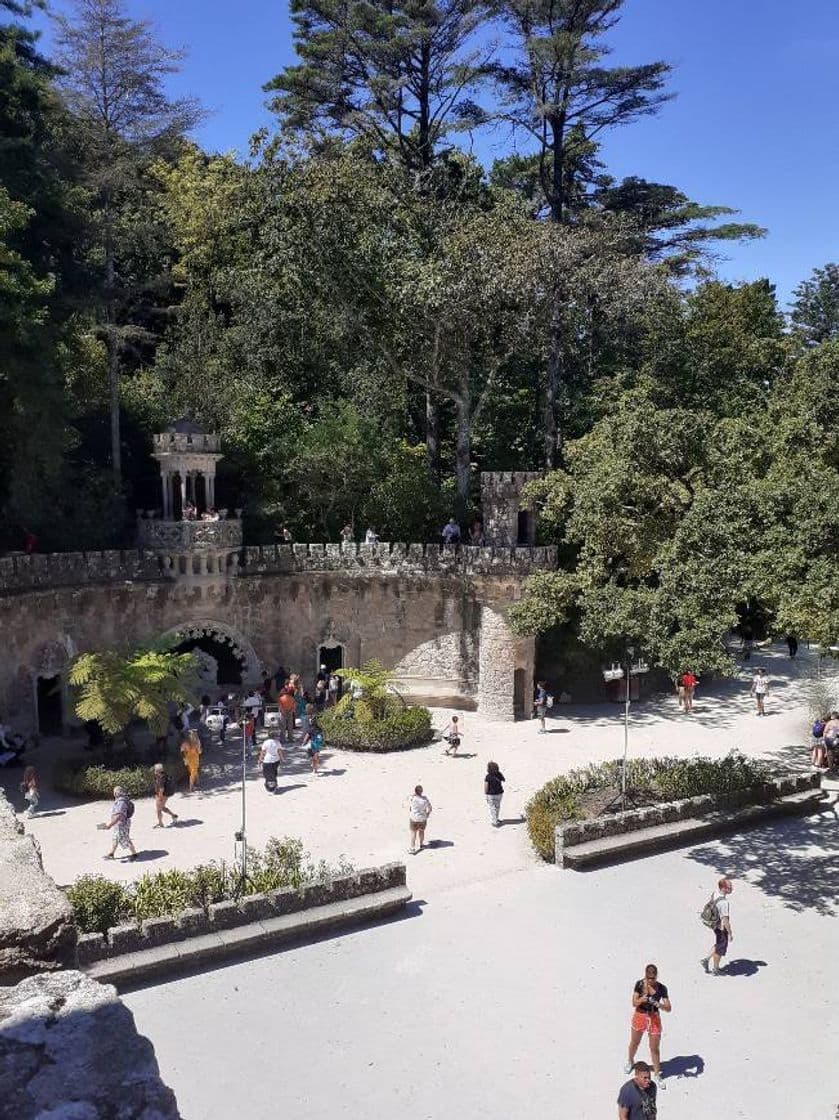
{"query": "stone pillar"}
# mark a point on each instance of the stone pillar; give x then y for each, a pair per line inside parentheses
(501, 654)
(183, 493)
(210, 489)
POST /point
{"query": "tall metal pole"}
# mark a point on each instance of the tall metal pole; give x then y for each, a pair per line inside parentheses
(627, 682)
(244, 803)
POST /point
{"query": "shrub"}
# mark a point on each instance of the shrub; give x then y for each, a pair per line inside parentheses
(399, 729)
(98, 903)
(97, 781)
(562, 800)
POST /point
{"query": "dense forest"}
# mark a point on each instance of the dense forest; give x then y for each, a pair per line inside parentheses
(369, 316)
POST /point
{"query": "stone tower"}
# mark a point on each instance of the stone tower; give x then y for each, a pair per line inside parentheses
(192, 538)
(509, 520)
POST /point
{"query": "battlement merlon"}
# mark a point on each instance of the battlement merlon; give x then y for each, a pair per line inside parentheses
(43, 571)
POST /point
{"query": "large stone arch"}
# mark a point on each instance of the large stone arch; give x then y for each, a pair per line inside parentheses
(240, 645)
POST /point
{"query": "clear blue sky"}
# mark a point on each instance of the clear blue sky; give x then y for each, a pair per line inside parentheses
(753, 125)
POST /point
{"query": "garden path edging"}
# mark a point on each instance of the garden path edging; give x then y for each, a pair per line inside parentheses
(657, 827)
(137, 951)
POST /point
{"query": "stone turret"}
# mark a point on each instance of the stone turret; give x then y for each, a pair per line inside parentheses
(192, 538)
(509, 520)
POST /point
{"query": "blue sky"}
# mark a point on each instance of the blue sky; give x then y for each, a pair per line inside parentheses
(753, 125)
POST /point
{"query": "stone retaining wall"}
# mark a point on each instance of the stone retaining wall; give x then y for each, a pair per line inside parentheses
(616, 824)
(135, 937)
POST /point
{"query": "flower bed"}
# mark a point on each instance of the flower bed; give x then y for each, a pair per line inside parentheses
(352, 726)
(100, 904)
(584, 794)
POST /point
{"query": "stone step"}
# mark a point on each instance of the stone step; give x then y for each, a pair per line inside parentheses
(207, 950)
(661, 837)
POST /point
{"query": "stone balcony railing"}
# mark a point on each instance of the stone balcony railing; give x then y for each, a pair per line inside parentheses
(73, 569)
(186, 536)
(167, 442)
(396, 559)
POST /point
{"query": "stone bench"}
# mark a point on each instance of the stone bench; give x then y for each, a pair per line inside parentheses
(678, 833)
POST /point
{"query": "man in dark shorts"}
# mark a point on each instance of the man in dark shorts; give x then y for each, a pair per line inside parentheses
(722, 930)
(636, 1100)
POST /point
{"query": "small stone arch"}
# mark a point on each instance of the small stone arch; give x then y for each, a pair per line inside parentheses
(239, 644)
(48, 669)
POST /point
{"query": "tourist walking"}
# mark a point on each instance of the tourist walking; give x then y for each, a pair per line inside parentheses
(687, 687)
(760, 689)
(452, 735)
(494, 791)
(164, 787)
(831, 739)
(716, 914)
(313, 742)
(649, 999)
(818, 753)
(419, 810)
(271, 754)
(540, 705)
(122, 811)
(191, 755)
(792, 645)
(253, 706)
(334, 689)
(450, 533)
(636, 1100)
(286, 702)
(29, 789)
(347, 534)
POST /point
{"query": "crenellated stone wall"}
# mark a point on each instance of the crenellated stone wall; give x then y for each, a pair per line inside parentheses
(436, 615)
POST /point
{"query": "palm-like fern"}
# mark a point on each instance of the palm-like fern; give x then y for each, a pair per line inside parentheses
(116, 688)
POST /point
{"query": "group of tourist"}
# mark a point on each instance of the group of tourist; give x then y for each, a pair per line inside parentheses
(190, 513)
(637, 1097)
(451, 534)
(825, 746)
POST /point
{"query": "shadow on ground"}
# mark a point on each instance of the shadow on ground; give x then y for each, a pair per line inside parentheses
(795, 861)
(685, 1065)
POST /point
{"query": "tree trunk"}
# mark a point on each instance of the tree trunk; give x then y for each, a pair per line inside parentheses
(463, 453)
(432, 436)
(113, 356)
(555, 369)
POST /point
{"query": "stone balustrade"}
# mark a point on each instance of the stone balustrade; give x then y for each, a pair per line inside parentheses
(202, 442)
(182, 536)
(43, 571)
(388, 558)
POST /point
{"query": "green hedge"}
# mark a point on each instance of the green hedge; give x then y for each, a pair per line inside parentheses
(349, 727)
(651, 780)
(98, 780)
(99, 903)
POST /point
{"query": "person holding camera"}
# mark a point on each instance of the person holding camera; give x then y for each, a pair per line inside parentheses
(649, 999)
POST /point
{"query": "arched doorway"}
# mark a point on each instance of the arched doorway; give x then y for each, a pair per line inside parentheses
(229, 667)
(332, 656)
(49, 700)
(234, 657)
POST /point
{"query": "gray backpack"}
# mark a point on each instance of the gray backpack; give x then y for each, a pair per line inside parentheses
(709, 915)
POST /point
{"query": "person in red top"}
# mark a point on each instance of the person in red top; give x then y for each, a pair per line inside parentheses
(286, 702)
(687, 687)
(30, 542)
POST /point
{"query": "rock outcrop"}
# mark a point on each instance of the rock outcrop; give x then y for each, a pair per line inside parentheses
(37, 933)
(70, 1050)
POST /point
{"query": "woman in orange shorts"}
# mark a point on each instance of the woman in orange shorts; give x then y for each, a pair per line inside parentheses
(649, 999)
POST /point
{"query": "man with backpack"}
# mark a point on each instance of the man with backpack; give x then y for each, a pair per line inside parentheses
(164, 787)
(121, 813)
(716, 915)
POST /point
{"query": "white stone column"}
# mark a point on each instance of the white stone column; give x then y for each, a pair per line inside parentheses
(210, 485)
(183, 492)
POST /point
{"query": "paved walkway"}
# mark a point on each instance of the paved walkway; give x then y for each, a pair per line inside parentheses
(359, 807)
(510, 997)
(505, 991)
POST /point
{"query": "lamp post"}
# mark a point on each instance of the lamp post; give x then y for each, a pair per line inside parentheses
(625, 673)
(241, 836)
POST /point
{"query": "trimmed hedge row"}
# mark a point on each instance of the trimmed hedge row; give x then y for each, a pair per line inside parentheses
(651, 780)
(399, 730)
(98, 903)
(98, 781)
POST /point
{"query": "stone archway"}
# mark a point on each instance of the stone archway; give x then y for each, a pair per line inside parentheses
(48, 673)
(240, 647)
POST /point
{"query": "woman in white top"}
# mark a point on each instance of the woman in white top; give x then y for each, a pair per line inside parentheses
(419, 812)
(760, 689)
